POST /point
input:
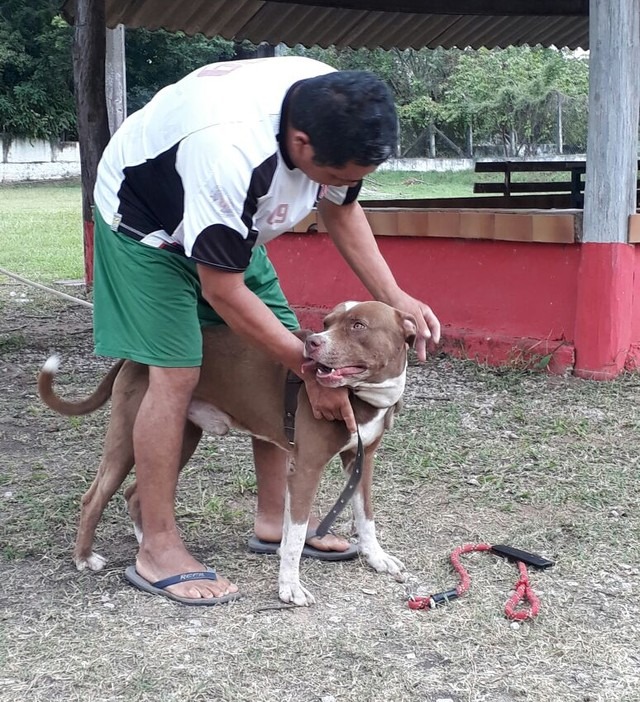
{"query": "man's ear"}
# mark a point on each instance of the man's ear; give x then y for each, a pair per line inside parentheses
(299, 139)
(299, 146)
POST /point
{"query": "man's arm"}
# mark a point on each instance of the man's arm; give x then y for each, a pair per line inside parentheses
(249, 317)
(351, 233)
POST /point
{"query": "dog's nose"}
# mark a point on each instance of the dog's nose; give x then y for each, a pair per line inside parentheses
(313, 342)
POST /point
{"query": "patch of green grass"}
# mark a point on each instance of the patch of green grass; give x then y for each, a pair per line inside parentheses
(416, 185)
(13, 342)
(75, 422)
(41, 230)
(246, 483)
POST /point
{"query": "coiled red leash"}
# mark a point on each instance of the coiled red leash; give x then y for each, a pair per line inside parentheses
(523, 590)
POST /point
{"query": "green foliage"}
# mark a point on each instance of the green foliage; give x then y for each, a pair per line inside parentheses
(512, 95)
(159, 58)
(36, 76)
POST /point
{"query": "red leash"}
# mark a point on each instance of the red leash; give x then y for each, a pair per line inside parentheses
(523, 590)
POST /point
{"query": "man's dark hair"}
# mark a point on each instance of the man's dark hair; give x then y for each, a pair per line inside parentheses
(349, 116)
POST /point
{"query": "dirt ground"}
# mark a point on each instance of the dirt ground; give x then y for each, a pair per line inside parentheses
(544, 463)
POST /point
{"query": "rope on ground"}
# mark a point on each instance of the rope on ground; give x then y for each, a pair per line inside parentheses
(77, 300)
(523, 592)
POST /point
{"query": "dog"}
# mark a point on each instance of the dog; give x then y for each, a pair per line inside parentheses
(364, 347)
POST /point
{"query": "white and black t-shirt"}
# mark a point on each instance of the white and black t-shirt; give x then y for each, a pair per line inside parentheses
(200, 169)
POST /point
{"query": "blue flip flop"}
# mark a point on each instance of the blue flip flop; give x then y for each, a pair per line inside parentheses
(257, 545)
(158, 588)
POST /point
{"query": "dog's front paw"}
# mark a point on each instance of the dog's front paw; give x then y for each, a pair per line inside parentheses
(294, 593)
(93, 562)
(383, 562)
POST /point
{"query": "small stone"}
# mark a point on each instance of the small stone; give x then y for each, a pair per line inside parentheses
(108, 605)
(411, 656)
(515, 625)
(7, 494)
(367, 591)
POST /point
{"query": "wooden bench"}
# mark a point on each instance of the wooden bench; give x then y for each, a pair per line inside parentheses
(573, 188)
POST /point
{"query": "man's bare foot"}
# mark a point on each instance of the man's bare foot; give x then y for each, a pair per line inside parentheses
(166, 557)
(268, 528)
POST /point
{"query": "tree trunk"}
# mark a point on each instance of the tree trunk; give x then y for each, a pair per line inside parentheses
(559, 127)
(89, 50)
(431, 130)
(452, 145)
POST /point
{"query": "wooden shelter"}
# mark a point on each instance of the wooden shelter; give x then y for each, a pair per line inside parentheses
(552, 284)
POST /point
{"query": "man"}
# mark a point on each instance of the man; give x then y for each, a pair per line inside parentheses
(188, 190)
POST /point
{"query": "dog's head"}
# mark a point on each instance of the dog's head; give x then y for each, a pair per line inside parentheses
(362, 343)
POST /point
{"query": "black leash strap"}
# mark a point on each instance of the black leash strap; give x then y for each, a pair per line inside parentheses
(290, 405)
(346, 494)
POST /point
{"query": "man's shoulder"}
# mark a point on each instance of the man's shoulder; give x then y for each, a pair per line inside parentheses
(285, 69)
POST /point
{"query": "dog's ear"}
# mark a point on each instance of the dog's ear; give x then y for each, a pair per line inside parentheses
(410, 328)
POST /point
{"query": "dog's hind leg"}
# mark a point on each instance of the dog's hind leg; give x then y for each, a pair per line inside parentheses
(192, 435)
(116, 462)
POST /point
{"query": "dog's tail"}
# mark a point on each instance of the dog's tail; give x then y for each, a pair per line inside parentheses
(73, 409)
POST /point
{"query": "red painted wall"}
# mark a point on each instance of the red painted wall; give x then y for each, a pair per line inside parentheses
(495, 287)
(635, 322)
(566, 307)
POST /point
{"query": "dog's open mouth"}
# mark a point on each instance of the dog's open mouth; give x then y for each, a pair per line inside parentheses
(330, 376)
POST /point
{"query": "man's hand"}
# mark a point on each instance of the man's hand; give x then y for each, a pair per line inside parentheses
(426, 321)
(330, 403)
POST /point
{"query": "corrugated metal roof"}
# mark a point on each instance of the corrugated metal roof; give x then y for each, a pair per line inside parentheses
(401, 24)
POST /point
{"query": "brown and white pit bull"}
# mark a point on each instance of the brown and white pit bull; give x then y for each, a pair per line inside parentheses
(363, 347)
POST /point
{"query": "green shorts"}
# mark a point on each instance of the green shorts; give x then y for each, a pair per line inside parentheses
(147, 302)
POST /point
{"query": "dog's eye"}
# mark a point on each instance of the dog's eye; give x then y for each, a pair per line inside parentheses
(358, 325)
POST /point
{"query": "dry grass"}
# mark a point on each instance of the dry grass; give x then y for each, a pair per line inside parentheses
(543, 463)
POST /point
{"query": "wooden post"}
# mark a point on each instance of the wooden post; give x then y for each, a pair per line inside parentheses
(116, 77)
(89, 48)
(605, 283)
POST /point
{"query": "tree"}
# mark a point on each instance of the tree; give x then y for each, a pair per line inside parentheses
(36, 70)
(36, 75)
(511, 95)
